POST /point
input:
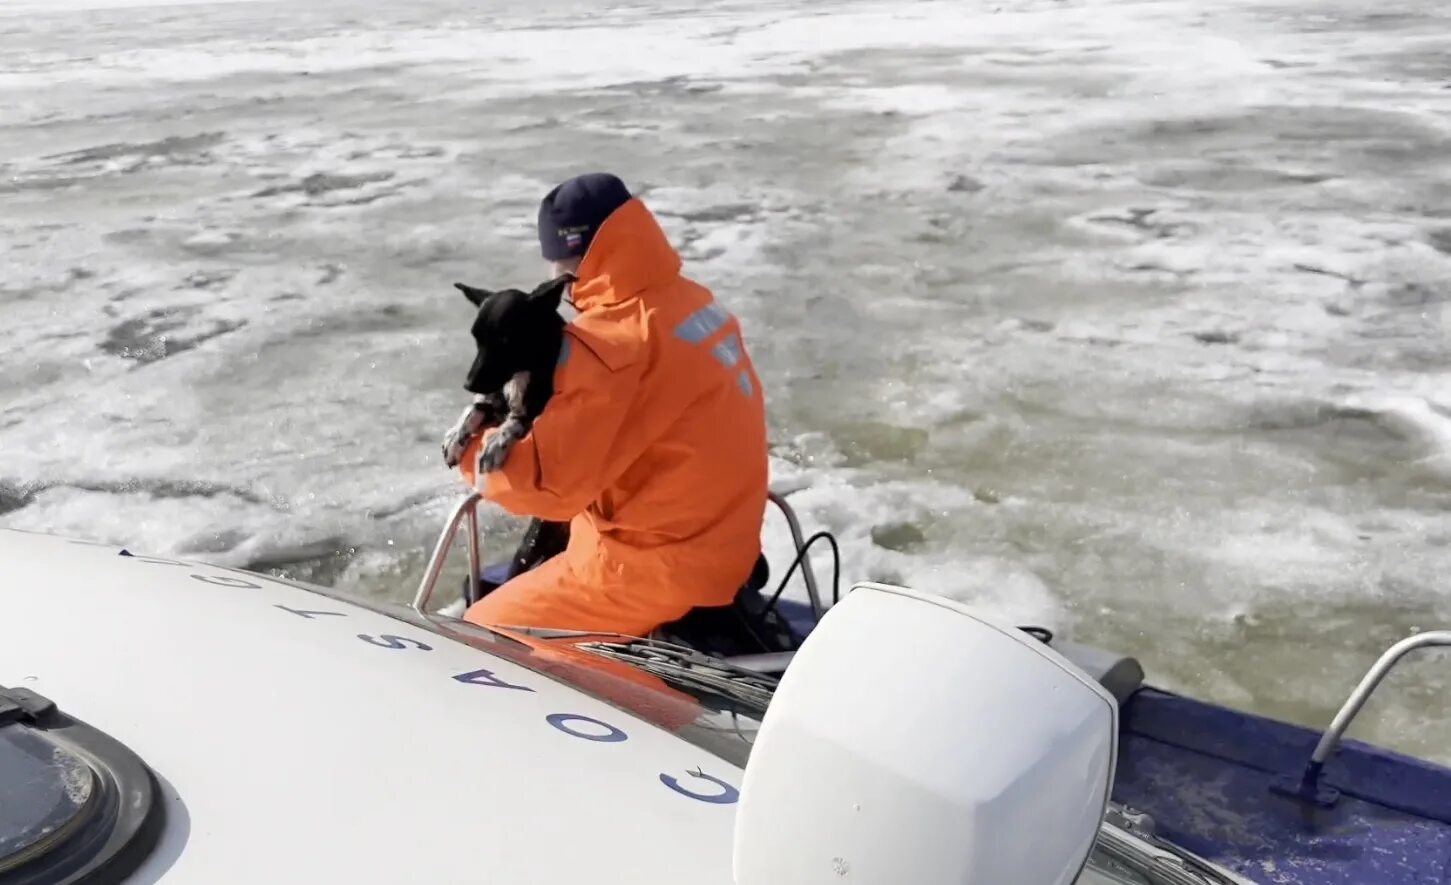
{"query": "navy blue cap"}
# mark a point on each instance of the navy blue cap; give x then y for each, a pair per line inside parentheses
(571, 214)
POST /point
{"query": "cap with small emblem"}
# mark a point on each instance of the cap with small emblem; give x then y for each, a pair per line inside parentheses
(571, 214)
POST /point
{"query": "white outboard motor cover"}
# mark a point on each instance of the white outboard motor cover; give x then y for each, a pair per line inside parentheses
(912, 741)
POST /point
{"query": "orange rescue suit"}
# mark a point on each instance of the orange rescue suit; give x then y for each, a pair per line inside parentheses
(653, 447)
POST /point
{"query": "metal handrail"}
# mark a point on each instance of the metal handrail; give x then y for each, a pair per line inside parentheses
(798, 541)
(468, 511)
(1353, 704)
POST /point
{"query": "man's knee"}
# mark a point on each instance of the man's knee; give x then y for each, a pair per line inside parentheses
(551, 598)
(522, 600)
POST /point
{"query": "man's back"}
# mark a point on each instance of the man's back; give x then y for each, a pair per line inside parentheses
(654, 446)
(697, 488)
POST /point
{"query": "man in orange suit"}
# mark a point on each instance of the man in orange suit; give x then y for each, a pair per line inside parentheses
(653, 445)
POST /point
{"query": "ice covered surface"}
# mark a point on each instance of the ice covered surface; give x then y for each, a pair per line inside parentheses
(1130, 318)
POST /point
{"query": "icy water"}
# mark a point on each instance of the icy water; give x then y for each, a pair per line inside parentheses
(1130, 318)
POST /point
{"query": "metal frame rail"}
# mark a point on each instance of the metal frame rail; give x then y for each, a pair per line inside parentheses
(1309, 781)
(467, 510)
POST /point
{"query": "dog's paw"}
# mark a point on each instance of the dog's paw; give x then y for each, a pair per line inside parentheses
(453, 450)
(494, 452)
(496, 448)
(473, 419)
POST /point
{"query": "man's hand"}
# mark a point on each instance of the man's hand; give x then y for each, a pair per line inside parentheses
(485, 412)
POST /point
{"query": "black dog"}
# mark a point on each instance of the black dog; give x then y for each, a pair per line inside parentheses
(518, 337)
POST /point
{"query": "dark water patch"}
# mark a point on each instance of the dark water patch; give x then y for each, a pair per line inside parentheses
(388, 318)
(885, 66)
(426, 253)
(19, 184)
(1216, 336)
(1353, 282)
(322, 563)
(1383, 445)
(219, 328)
(13, 498)
(172, 488)
(678, 86)
(17, 495)
(987, 496)
(902, 537)
(536, 125)
(172, 146)
(731, 212)
(1417, 295)
(1411, 357)
(1156, 267)
(148, 339)
(1093, 340)
(330, 274)
(939, 231)
(1405, 63)
(207, 279)
(1340, 630)
(398, 152)
(411, 502)
(321, 183)
(1299, 415)
(24, 293)
(1229, 176)
(1397, 339)
(868, 442)
(1146, 220)
(370, 198)
(965, 184)
(1382, 140)
(1362, 19)
(53, 179)
(143, 339)
(1440, 240)
(130, 236)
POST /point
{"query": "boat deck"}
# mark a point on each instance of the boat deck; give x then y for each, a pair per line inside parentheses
(1204, 774)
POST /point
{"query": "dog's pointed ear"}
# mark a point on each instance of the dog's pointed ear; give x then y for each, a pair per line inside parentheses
(552, 292)
(474, 295)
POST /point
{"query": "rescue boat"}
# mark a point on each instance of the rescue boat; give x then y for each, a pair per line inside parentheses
(171, 721)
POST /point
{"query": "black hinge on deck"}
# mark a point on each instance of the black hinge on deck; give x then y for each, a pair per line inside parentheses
(23, 705)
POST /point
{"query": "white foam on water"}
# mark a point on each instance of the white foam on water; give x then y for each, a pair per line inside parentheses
(1422, 422)
(852, 505)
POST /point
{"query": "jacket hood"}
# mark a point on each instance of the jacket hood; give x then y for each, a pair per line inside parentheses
(629, 255)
